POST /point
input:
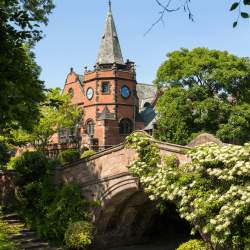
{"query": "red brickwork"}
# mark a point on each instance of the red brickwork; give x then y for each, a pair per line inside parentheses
(106, 129)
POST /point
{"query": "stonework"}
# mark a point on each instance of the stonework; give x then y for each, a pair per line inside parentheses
(203, 139)
(125, 212)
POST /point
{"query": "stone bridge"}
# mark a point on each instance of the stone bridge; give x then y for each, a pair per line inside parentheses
(125, 214)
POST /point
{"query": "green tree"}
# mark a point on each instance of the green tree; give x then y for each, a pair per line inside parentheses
(173, 118)
(237, 128)
(5, 151)
(203, 90)
(217, 72)
(21, 89)
(55, 112)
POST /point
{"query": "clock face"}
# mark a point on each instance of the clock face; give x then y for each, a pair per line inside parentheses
(90, 93)
(125, 91)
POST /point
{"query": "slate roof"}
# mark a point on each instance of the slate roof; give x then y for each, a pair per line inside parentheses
(80, 77)
(146, 93)
(110, 50)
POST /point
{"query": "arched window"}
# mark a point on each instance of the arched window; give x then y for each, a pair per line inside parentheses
(90, 127)
(71, 92)
(125, 126)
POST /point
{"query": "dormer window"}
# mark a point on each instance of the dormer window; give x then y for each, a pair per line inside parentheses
(105, 88)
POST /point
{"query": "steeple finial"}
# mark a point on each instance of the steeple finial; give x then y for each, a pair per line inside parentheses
(110, 50)
(110, 6)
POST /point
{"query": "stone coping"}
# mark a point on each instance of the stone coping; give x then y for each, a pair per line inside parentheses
(162, 145)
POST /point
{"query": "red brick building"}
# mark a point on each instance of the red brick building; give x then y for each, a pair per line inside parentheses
(113, 103)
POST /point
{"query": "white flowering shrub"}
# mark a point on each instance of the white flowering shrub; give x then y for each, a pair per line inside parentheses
(212, 193)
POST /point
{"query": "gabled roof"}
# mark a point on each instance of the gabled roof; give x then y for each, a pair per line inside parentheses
(106, 115)
(110, 50)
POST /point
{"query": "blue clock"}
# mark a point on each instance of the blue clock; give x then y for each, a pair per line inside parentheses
(90, 93)
(125, 91)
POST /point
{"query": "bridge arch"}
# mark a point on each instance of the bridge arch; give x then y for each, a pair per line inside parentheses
(124, 218)
(125, 214)
(129, 218)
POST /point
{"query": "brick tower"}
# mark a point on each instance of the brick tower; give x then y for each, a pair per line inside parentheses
(110, 100)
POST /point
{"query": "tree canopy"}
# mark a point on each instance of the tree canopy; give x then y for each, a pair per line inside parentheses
(21, 89)
(55, 112)
(203, 90)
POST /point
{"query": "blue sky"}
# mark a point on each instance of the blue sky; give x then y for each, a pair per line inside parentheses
(73, 35)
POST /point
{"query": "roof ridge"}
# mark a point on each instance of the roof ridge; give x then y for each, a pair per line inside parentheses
(148, 84)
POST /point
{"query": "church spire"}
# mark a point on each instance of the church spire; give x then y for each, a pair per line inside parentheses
(110, 8)
(110, 50)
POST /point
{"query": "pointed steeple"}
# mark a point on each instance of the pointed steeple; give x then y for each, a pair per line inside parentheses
(110, 50)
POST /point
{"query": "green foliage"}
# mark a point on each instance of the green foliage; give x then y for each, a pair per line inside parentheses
(55, 112)
(204, 90)
(87, 153)
(21, 89)
(45, 207)
(148, 154)
(67, 207)
(49, 210)
(29, 167)
(236, 130)
(212, 192)
(79, 235)
(21, 20)
(239, 6)
(5, 231)
(217, 72)
(5, 152)
(4, 156)
(174, 116)
(69, 155)
(192, 245)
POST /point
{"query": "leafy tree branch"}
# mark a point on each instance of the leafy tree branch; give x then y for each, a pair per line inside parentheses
(165, 9)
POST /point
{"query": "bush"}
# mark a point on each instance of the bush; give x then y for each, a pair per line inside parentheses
(79, 235)
(5, 154)
(87, 153)
(29, 167)
(45, 207)
(68, 156)
(193, 245)
(49, 210)
(68, 206)
(54, 163)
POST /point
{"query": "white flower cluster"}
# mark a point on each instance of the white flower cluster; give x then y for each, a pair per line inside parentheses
(212, 193)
